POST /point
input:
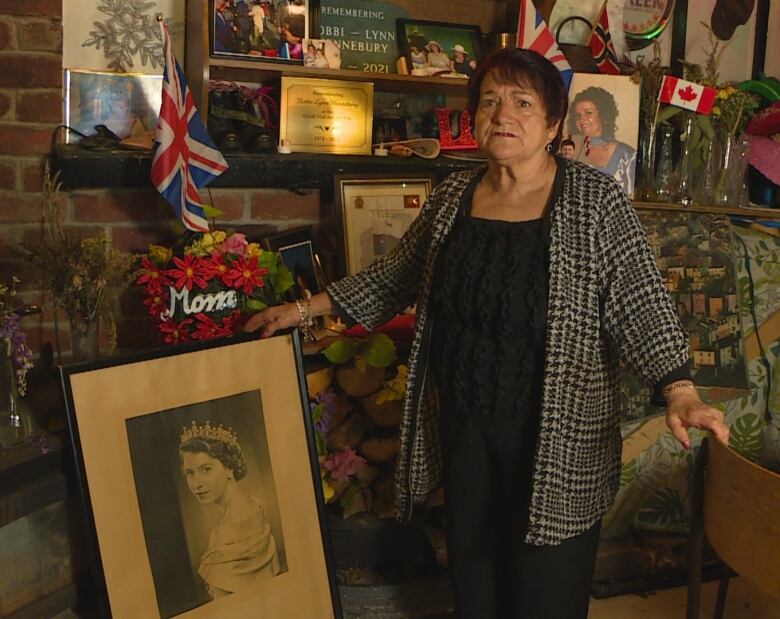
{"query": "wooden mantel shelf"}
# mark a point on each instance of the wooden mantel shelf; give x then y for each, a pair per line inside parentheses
(83, 168)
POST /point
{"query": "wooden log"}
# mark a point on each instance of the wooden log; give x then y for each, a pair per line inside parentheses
(379, 449)
(360, 384)
(346, 435)
(387, 414)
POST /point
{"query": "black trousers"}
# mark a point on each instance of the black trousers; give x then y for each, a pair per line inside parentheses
(495, 575)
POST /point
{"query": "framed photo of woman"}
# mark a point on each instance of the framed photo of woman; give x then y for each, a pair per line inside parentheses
(602, 126)
(200, 482)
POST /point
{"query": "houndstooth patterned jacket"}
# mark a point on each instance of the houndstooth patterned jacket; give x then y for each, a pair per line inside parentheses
(606, 301)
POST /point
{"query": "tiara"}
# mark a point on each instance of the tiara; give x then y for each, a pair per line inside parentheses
(206, 431)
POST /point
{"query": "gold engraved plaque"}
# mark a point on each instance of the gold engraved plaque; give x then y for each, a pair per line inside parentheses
(326, 116)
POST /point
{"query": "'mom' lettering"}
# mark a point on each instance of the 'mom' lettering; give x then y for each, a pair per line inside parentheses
(204, 302)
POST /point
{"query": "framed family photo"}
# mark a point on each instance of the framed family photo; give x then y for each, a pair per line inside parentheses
(200, 482)
(375, 213)
(125, 103)
(439, 48)
(264, 29)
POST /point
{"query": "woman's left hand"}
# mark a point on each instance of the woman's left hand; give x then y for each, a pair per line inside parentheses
(685, 410)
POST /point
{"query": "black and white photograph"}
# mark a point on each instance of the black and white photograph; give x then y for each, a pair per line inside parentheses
(207, 499)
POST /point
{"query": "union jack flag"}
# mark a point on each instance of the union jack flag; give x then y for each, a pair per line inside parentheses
(185, 158)
(601, 46)
(533, 34)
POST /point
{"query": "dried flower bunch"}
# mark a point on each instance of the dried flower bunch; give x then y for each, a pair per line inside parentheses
(84, 276)
(17, 351)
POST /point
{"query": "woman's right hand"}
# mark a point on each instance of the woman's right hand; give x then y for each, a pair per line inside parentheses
(273, 318)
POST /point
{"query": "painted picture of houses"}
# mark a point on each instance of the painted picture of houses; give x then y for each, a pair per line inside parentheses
(695, 259)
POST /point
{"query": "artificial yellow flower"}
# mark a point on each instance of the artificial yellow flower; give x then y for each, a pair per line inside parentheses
(253, 249)
(160, 255)
(327, 490)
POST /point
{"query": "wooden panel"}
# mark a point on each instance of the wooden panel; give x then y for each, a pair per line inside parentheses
(741, 504)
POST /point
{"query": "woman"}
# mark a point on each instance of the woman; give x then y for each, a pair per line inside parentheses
(439, 61)
(593, 115)
(532, 276)
(242, 549)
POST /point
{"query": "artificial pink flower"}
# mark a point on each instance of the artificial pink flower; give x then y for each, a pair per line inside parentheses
(235, 244)
(343, 464)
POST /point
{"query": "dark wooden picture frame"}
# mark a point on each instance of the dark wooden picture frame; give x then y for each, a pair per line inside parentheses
(148, 513)
(298, 252)
(421, 35)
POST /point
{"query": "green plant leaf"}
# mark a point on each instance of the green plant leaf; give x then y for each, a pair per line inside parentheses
(255, 305)
(378, 350)
(667, 113)
(745, 436)
(340, 351)
(664, 507)
(282, 280)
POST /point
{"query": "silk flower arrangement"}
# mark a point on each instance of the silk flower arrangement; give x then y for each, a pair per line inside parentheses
(207, 290)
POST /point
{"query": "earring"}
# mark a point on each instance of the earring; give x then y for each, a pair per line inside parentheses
(548, 148)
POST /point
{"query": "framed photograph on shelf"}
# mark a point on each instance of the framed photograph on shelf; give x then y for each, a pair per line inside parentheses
(439, 48)
(200, 482)
(603, 125)
(127, 104)
(271, 30)
(296, 248)
(375, 212)
(321, 54)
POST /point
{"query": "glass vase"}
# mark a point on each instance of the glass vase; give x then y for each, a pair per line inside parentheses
(664, 172)
(705, 187)
(645, 187)
(730, 188)
(683, 174)
(15, 421)
(84, 340)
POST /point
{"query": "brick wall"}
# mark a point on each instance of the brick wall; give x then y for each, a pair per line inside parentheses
(30, 110)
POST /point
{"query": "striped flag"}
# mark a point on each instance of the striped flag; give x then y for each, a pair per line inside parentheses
(533, 34)
(688, 95)
(185, 158)
(601, 46)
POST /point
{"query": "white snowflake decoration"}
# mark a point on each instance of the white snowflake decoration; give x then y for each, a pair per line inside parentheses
(128, 31)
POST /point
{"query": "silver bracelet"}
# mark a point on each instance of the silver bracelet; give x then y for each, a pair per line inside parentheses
(304, 312)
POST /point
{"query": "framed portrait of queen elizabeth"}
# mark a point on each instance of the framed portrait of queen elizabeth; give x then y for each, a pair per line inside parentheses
(200, 482)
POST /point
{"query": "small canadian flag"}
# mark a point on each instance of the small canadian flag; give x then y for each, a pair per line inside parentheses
(688, 95)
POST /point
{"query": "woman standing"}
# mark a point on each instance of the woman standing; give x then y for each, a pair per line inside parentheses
(242, 548)
(594, 116)
(532, 278)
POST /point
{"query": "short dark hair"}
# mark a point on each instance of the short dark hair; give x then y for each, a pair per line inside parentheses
(567, 142)
(604, 102)
(528, 68)
(229, 454)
